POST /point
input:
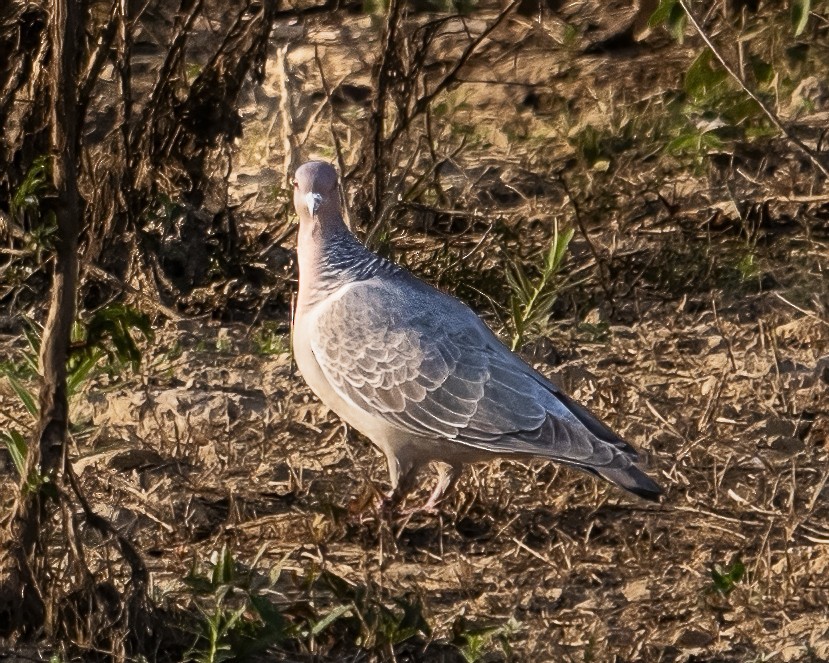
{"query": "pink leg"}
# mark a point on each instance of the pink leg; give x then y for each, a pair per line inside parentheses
(448, 476)
(403, 473)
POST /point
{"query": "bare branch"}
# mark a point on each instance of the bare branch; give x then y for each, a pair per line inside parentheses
(424, 101)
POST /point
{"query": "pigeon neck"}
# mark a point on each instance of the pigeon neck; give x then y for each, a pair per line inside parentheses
(317, 242)
(316, 234)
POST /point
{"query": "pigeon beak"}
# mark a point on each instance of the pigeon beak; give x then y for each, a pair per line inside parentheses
(313, 201)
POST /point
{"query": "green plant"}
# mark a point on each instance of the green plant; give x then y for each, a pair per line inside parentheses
(532, 301)
(360, 616)
(236, 620)
(597, 146)
(723, 104)
(800, 15)
(18, 450)
(672, 15)
(107, 334)
(25, 208)
(269, 341)
(27, 196)
(594, 332)
(725, 578)
(474, 642)
(714, 110)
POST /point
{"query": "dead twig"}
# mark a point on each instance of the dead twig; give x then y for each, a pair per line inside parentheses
(600, 264)
(424, 101)
(144, 296)
(378, 109)
(289, 142)
(334, 137)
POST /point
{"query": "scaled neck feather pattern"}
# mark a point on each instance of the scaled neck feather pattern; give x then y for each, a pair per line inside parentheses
(333, 260)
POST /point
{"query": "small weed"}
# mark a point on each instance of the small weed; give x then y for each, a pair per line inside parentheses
(531, 302)
(269, 341)
(18, 450)
(236, 620)
(598, 332)
(224, 343)
(725, 578)
(27, 196)
(598, 146)
(672, 15)
(107, 334)
(364, 619)
(18, 369)
(747, 267)
(474, 643)
(25, 208)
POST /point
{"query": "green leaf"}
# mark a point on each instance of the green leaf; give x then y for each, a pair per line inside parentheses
(710, 140)
(32, 334)
(763, 71)
(524, 286)
(474, 642)
(701, 78)
(726, 578)
(224, 571)
(18, 449)
(800, 15)
(30, 190)
(199, 583)
(663, 11)
(115, 324)
(81, 371)
(684, 142)
(31, 361)
(412, 621)
(270, 615)
(25, 396)
(677, 21)
(559, 248)
(276, 570)
(330, 618)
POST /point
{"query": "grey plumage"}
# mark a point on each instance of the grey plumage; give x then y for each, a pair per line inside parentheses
(418, 372)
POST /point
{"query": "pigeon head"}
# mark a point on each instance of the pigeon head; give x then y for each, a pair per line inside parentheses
(316, 192)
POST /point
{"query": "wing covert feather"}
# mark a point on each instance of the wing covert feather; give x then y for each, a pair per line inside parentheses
(444, 375)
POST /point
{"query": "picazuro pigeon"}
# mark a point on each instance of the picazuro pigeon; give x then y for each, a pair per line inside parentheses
(418, 373)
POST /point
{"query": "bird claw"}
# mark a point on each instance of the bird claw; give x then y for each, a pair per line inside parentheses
(383, 506)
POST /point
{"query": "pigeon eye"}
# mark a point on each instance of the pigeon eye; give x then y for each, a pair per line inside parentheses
(296, 184)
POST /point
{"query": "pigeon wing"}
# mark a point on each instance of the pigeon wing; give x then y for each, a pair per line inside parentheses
(429, 366)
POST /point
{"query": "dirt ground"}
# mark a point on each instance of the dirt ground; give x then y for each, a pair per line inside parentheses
(693, 319)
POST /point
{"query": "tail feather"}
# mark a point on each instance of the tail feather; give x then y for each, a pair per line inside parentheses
(632, 479)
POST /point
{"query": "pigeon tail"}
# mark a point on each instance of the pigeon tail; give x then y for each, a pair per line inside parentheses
(632, 479)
